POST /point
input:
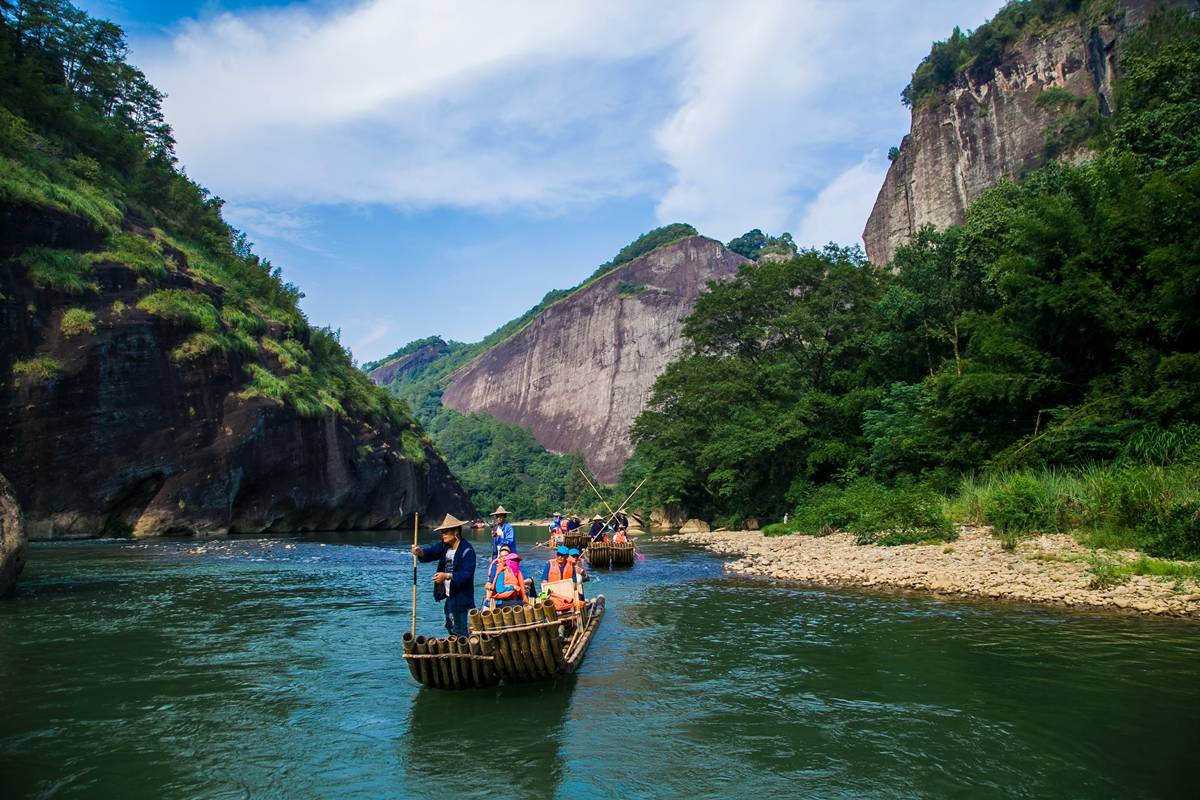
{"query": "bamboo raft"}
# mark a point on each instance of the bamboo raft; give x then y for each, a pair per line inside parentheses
(514, 644)
(610, 554)
(578, 540)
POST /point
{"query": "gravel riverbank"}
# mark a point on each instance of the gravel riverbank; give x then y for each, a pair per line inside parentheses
(1047, 569)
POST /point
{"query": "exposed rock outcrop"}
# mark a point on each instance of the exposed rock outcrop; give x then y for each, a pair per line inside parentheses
(582, 370)
(115, 435)
(12, 540)
(384, 373)
(988, 127)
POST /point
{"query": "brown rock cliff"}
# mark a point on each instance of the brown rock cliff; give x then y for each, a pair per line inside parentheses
(989, 127)
(582, 370)
(125, 439)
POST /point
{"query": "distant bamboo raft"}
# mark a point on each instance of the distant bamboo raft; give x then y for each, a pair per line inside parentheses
(610, 554)
(576, 540)
(514, 644)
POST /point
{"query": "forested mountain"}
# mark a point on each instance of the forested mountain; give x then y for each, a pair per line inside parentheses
(1041, 360)
(157, 376)
(569, 375)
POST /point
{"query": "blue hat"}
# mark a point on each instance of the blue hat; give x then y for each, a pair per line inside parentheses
(573, 552)
(562, 550)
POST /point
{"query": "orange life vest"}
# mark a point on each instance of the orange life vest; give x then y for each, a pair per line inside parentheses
(557, 573)
(514, 585)
(620, 537)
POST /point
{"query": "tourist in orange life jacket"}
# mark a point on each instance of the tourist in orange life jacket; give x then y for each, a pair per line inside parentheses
(510, 583)
(558, 568)
(493, 566)
(620, 537)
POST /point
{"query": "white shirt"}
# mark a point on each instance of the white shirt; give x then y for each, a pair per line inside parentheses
(449, 568)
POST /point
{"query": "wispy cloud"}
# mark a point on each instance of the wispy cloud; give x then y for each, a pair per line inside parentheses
(839, 210)
(729, 115)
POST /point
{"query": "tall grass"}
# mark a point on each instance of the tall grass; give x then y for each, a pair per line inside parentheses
(874, 513)
(1149, 507)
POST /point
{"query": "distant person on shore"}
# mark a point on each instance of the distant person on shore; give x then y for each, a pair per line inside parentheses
(510, 583)
(454, 580)
(502, 532)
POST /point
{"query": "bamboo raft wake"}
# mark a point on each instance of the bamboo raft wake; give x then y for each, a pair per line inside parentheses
(514, 644)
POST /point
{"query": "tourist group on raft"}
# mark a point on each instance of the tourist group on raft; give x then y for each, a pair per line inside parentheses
(507, 585)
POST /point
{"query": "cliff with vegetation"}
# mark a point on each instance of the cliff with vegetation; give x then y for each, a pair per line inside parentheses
(157, 376)
(579, 374)
(1035, 369)
(554, 391)
(1034, 84)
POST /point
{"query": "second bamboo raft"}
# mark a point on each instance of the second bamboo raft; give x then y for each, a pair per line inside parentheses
(610, 554)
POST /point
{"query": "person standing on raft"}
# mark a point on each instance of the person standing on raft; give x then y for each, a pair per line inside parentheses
(454, 580)
(502, 532)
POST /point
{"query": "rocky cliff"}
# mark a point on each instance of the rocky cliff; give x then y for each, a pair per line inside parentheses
(12, 539)
(582, 370)
(117, 415)
(985, 127)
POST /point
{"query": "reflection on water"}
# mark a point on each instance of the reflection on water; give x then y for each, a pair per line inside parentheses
(258, 667)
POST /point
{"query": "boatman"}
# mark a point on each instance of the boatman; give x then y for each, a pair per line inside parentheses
(454, 580)
(502, 532)
(597, 528)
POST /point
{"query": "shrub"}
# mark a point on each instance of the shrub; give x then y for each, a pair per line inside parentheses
(874, 513)
(64, 270)
(35, 370)
(629, 288)
(77, 321)
(1019, 506)
(197, 345)
(182, 306)
(141, 254)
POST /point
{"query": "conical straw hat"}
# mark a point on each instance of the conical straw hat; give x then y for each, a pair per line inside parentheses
(450, 522)
(499, 510)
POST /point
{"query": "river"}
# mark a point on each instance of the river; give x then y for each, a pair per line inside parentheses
(270, 668)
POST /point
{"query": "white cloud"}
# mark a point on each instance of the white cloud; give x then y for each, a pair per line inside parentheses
(839, 210)
(729, 115)
(267, 223)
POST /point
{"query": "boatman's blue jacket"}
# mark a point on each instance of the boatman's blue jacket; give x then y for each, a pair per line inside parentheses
(462, 574)
(507, 537)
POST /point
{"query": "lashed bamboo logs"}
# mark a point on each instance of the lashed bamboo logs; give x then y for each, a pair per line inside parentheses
(610, 554)
(408, 643)
(424, 665)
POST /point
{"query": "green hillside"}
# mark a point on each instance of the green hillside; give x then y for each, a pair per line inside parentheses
(82, 136)
(1038, 364)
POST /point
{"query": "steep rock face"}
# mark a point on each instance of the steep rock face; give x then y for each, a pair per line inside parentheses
(123, 438)
(990, 127)
(383, 374)
(579, 373)
(12, 539)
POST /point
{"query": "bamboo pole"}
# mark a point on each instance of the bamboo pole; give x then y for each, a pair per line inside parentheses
(409, 649)
(511, 643)
(421, 647)
(443, 646)
(491, 619)
(550, 615)
(483, 669)
(534, 637)
(416, 516)
(546, 640)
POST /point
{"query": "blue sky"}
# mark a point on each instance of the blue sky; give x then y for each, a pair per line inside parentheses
(437, 167)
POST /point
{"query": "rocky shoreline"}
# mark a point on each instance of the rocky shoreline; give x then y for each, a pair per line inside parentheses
(1047, 569)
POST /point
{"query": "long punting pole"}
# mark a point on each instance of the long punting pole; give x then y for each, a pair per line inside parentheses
(416, 516)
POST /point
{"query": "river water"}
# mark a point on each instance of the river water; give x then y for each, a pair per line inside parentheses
(270, 667)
